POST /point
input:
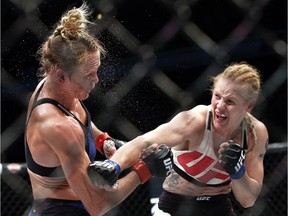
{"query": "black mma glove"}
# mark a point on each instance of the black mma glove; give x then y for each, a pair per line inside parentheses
(104, 172)
(157, 164)
(232, 160)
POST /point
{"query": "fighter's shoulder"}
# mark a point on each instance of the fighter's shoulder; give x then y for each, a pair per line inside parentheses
(201, 109)
(52, 123)
(258, 125)
(195, 115)
(198, 111)
(47, 115)
(261, 131)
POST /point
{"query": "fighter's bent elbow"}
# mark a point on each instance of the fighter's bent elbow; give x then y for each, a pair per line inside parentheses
(247, 203)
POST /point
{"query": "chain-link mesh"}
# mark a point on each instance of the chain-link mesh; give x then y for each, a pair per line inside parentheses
(160, 53)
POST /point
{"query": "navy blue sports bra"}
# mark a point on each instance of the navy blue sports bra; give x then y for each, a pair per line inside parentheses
(89, 139)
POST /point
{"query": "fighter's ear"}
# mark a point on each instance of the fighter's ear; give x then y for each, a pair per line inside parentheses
(60, 75)
(251, 106)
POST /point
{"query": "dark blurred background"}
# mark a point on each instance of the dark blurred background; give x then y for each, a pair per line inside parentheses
(160, 55)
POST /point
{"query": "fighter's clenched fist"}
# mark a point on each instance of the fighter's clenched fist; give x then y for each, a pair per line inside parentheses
(232, 157)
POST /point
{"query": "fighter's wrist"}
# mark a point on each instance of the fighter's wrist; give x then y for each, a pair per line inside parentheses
(239, 174)
(142, 170)
(100, 141)
(117, 166)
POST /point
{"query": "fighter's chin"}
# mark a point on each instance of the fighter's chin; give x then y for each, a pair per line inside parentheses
(220, 123)
(84, 96)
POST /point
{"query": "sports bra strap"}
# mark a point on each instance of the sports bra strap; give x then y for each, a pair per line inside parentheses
(89, 140)
(58, 105)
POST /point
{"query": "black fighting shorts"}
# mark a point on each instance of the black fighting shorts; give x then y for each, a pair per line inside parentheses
(57, 207)
(178, 205)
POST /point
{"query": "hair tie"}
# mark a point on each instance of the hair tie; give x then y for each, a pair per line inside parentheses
(72, 26)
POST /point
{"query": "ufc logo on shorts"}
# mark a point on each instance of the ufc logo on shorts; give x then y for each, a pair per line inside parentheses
(203, 198)
(168, 165)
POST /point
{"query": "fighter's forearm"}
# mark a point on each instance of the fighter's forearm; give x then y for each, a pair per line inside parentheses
(130, 153)
(246, 190)
(125, 187)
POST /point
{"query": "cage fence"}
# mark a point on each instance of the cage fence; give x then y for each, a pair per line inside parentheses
(160, 54)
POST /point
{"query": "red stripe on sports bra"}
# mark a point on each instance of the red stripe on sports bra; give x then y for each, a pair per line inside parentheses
(200, 166)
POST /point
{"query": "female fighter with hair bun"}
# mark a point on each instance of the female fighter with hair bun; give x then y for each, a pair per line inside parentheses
(60, 138)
